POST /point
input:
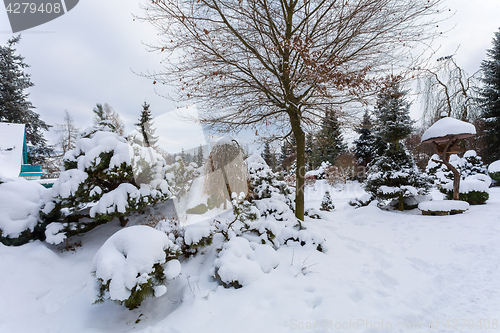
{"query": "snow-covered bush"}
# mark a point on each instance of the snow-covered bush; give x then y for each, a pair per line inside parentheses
(362, 201)
(271, 196)
(468, 165)
(395, 175)
(133, 264)
(494, 170)
(326, 203)
(110, 178)
(321, 172)
(20, 204)
(272, 201)
(190, 239)
(312, 213)
(241, 262)
(472, 164)
(180, 176)
(472, 190)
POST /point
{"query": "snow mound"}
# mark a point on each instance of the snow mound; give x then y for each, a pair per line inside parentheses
(241, 262)
(126, 259)
(469, 185)
(20, 203)
(194, 233)
(447, 127)
(53, 233)
(481, 177)
(443, 205)
(494, 167)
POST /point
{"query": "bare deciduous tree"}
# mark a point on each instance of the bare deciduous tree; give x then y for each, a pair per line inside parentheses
(447, 89)
(68, 133)
(280, 64)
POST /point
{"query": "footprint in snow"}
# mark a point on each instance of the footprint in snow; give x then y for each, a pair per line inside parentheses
(385, 279)
(356, 296)
(315, 302)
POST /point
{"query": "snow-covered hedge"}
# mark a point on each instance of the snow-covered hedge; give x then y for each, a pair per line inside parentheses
(20, 204)
(468, 165)
(241, 262)
(472, 190)
(109, 177)
(494, 170)
(135, 263)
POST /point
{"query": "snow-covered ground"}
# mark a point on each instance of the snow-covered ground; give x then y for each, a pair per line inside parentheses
(382, 270)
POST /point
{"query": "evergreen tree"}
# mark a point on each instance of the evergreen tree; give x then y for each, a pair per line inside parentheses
(105, 120)
(288, 153)
(199, 157)
(268, 156)
(14, 104)
(309, 151)
(368, 145)
(146, 128)
(326, 203)
(392, 112)
(329, 141)
(183, 155)
(101, 121)
(394, 174)
(490, 101)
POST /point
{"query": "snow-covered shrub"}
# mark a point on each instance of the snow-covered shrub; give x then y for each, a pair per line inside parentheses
(395, 175)
(133, 264)
(273, 199)
(408, 202)
(494, 170)
(468, 165)
(109, 177)
(271, 196)
(472, 164)
(326, 203)
(472, 190)
(312, 213)
(191, 238)
(362, 201)
(180, 176)
(321, 172)
(20, 204)
(240, 262)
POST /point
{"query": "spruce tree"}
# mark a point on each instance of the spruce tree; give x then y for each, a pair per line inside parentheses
(367, 145)
(394, 174)
(199, 157)
(268, 156)
(14, 104)
(310, 160)
(489, 101)
(288, 153)
(329, 141)
(392, 112)
(146, 128)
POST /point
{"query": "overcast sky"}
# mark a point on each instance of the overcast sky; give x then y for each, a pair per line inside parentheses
(90, 54)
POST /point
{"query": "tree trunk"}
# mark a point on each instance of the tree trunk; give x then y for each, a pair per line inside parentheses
(401, 202)
(456, 175)
(300, 138)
